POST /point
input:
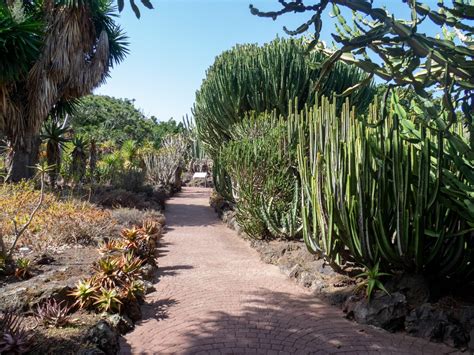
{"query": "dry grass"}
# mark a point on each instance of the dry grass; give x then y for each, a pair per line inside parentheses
(58, 222)
(133, 217)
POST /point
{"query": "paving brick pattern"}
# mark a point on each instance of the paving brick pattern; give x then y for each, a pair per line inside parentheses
(215, 296)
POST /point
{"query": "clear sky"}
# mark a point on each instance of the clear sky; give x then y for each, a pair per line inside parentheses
(172, 46)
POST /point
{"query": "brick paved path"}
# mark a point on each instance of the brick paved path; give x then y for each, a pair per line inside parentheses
(215, 296)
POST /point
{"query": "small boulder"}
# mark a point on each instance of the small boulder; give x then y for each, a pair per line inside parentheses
(105, 337)
(471, 342)
(148, 287)
(121, 323)
(148, 271)
(384, 311)
(415, 287)
(429, 322)
(133, 311)
(306, 279)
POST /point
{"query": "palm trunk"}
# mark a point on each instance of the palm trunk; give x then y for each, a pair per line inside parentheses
(23, 157)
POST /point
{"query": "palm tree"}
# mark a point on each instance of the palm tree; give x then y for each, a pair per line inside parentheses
(60, 50)
(54, 133)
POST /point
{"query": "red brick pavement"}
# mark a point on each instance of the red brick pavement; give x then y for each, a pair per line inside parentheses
(215, 296)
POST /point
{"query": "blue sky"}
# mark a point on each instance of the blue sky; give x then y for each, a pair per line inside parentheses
(172, 46)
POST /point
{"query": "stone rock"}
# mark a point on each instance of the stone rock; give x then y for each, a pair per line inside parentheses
(24, 298)
(148, 286)
(122, 324)
(148, 271)
(306, 279)
(133, 310)
(105, 337)
(90, 351)
(318, 286)
(426, 321)
(15, 299)
(471, 341)
(291, 271)
(415, 287)
(384, 311)
(44, 259)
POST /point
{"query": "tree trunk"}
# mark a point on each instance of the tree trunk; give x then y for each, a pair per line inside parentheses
(22, 158)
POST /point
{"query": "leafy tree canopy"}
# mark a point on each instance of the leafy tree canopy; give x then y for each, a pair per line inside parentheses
(106, 118)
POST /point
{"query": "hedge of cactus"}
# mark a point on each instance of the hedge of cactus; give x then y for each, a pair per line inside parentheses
(265, 78)
(246, 87)
(386, 187)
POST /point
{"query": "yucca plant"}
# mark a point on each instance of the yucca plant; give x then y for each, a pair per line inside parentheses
(82, 41)
(79, 158)
(55, 136)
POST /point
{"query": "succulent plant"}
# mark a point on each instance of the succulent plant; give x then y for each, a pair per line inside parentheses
(53, 313)
(84, 292)
(23, 268)
(108, 300)
(14, 339)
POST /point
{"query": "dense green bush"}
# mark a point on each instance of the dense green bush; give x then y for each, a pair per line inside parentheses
(261, 160)
(107, 118)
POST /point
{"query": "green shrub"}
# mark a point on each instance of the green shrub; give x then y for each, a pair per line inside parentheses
(260, 158)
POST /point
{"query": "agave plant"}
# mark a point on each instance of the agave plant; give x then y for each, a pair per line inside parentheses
(53, 313)
(372, 280)
(23, 268)
(108, 300)
(107, 272)
(14, 339)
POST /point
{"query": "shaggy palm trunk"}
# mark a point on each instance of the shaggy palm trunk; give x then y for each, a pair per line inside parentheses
(23, 157)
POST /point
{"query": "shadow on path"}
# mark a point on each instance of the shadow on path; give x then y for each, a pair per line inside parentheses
(282, 323)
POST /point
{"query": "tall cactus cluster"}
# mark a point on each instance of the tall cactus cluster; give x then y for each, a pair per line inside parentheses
(373, 184)
(265, 78)
(385, 187)
(240, 114)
